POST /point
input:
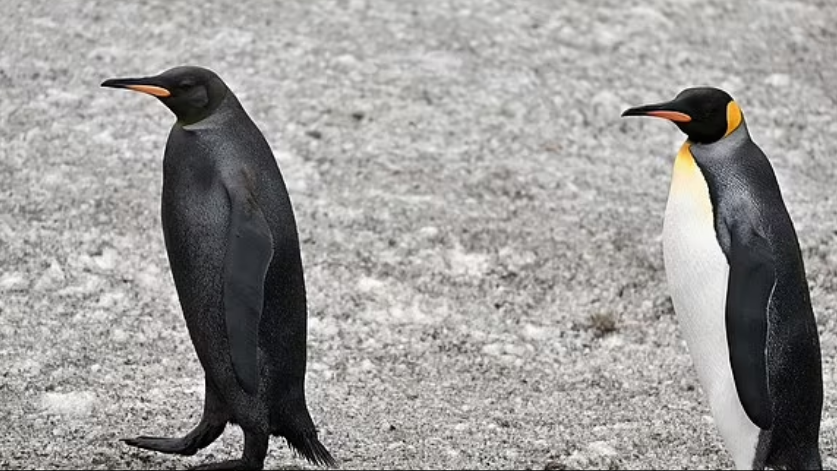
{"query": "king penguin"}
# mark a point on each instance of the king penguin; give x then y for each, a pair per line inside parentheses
(233, 249)
(737, 281)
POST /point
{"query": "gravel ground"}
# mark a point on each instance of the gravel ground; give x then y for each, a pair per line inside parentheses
(480, 229)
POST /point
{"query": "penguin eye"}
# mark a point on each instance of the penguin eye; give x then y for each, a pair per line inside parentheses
(187, 84)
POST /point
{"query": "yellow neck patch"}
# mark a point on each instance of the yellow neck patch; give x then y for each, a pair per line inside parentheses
(689, 186)
(684, 163)
(734, 117)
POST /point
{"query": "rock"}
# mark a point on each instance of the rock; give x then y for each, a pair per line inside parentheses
(367, 365)
(601, 449)
(107, 260)
(493, 349)
(596, 455)
(514, 349)
(554, 465)
(467, 264)
(51, 278)
(613, 341)
(322, 327)
(778, 80)
(387, 427)
(428, 232)
(119, 335)
(366, 284)
(363, 367)
(533, 332)
(27, 366)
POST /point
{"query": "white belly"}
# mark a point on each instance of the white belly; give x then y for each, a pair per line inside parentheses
(697, 274)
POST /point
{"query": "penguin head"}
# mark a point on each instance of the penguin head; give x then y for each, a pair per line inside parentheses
(192, 93)
(704, 114)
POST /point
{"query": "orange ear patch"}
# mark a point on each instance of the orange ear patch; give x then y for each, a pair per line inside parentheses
(151, 90)
(675, 116)
(734, 117)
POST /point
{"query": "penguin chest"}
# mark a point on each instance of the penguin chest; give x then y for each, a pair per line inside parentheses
(697, 273)
(696, 268)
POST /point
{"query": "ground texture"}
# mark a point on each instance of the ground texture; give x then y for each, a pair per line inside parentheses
(480, 229)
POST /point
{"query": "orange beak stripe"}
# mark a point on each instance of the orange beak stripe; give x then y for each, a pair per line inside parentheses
(151, 90)
(675, 116)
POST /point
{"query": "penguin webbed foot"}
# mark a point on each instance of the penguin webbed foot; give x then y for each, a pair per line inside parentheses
(228, 465)
(255, 450)
(172, 446)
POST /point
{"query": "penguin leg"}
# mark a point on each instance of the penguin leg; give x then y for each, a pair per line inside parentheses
(255, 450)
(211, 426)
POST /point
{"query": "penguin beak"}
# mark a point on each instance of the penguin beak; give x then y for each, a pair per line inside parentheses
(660, 110)
(144, 85)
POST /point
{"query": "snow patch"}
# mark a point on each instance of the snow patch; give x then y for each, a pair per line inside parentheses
(77, 404)
(13, 282)
(467, 264)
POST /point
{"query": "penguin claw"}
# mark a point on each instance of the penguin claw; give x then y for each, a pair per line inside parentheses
(175, 446)
(225, 465)
(133, 441)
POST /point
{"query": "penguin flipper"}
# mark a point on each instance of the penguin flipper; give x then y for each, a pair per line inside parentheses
(751, 283)
(249, 252)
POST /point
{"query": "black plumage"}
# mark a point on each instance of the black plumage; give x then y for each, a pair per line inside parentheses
(232, 243)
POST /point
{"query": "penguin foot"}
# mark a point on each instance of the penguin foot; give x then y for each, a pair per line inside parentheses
(228, 465)
(175, 446)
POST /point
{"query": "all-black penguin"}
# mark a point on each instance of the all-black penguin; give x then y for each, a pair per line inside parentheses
(737, 281)
(233, 248)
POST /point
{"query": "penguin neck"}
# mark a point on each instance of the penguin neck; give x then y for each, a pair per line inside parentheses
(733, 138)
(225, 109)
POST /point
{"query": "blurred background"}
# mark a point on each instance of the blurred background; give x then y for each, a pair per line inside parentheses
(480, 229)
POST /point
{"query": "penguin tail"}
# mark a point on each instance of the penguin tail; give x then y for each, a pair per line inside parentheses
(289, 418)
(308, 446)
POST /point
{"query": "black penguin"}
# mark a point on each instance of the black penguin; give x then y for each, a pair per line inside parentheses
(737, 281)
(233, 247)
